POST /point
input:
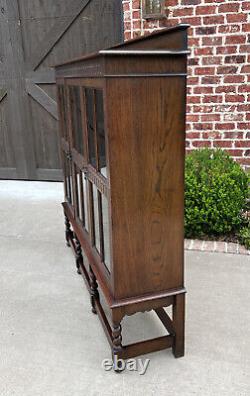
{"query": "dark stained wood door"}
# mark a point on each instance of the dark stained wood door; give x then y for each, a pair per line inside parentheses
(34, 36)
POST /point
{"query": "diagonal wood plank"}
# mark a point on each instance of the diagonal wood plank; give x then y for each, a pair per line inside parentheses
(57, 31)
(46, 76)
(3, 93)
(41, 97)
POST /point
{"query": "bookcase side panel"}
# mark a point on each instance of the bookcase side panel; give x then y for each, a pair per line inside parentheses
(146, 132)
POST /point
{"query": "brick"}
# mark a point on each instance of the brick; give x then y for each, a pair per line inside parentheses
(127, 26)
(245, 69)
(193, 99)
(233, 135)
(193, 61)
(201, 143)
(194, 41)
(244, 48)
(126, 6)
(243, 107)
(234, 79)
(210, 117)
(204, 51)
(136, 14)
(235, 153)
(233, 116)
(222, 143)
(229, 29)
(190, 2)
(193, 81)
(245, 5)
(231, 49)
(183, 11)
(191, 20)
(205, 30)
(136, 4)
(212, 40)
(192, 118)
(212, 60)
(243, 125)
(244, 88)
(213, 20)
(225, 108)
(231, 18)
(205, 71)
(225, 125)
(244, 161)
(202, 126)
(203, 109)
(229, 7)
(227, 69)
(242, 143)
(193, 135)
(127, 36)
(236, 39)
(234, 98)
(212, 135)
(213, 80)
(203, 90)
(235, 59)
(136, 25)
(226, 88)
(127, 17)
(205, 10)
(212, 99)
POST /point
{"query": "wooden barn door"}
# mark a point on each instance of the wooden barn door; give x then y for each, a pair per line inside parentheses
(34, 36)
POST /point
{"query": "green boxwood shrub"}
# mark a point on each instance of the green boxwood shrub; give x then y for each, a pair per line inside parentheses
(216, 193)
(244, 236)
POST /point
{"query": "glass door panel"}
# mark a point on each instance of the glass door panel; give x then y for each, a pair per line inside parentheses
(90, 113)
(100, 132)
(106, 233)
(77, 129)
(96, 219)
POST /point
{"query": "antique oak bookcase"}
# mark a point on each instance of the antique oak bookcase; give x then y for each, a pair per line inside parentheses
(122, 133)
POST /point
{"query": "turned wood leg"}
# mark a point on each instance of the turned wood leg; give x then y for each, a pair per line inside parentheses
(117, 345)
(179, 325)
(79, 258)
(68, 231)
(93, 289)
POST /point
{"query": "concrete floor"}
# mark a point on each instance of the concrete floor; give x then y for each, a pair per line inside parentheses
(51, 344)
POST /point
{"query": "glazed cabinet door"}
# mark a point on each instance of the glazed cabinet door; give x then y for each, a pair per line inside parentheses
(85, 164)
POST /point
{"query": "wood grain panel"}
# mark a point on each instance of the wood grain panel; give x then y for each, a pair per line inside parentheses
(146, 183)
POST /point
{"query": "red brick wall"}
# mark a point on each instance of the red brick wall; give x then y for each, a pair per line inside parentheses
(218, 109)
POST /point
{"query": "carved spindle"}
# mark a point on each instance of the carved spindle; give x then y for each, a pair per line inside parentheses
(117, 346)
(117, 337)
(93, 289)
(79, 258)
(68, 232)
